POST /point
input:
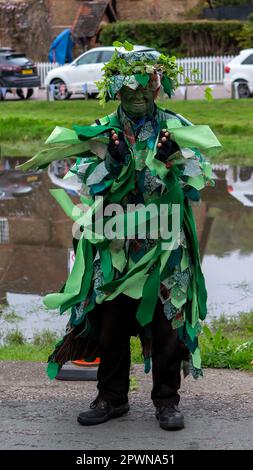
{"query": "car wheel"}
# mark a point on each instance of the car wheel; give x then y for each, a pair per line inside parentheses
(60, 90)
(245, 173)
(21, 94)
(243, 90)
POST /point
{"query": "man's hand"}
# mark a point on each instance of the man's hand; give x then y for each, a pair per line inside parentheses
(118, 147)
(165, 146)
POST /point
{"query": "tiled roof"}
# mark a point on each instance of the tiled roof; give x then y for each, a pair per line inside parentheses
(89, 17)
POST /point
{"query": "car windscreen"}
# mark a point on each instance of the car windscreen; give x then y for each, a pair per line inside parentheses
(18, 60)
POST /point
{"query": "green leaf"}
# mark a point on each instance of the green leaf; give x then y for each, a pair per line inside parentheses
(128, 46)
(209, 93)
(195, 72)
(207, 332)
(142, 79)
(117, 44)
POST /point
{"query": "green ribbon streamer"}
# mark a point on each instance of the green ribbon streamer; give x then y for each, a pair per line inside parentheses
(146, 308)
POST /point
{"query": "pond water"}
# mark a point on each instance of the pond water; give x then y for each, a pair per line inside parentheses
(35, 238)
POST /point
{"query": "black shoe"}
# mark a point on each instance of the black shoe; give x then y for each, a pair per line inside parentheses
(101, 411)
(170, 417)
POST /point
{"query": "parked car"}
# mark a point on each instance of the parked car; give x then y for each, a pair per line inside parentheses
(80, 76)
(239, 74)
(17, 72)
(240, 184)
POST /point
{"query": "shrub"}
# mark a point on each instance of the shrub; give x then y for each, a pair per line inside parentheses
(188, 38)
(45, 338)
(15, 337)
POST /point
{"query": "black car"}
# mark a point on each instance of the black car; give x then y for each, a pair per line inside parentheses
(17, 72)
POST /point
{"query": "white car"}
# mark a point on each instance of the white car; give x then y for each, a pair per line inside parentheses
(239, 75)
(240, 184)
(80, 76)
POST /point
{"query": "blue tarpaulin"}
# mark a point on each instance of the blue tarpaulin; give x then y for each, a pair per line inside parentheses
(61, 48)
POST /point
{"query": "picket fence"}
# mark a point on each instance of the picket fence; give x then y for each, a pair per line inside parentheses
(211, 68)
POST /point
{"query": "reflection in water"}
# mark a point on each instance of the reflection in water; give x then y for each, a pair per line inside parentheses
(32, 316)
(226, 247)
(35, 236)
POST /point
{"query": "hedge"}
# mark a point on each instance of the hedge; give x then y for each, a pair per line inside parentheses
(221, 3)
(188, 38)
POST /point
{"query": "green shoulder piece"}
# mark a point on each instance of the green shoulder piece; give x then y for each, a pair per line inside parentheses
(106, 124)
(62, 135)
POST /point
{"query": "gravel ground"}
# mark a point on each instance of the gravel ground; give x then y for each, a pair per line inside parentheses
(39, 414)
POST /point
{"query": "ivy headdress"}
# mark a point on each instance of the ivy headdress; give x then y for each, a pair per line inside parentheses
(133, 68)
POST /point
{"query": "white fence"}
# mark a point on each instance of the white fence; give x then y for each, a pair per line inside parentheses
(211, 68)
(43, 69)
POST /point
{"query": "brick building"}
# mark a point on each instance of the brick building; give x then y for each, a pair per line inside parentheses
(31, 25)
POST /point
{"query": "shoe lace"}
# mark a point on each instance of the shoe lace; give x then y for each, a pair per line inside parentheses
(95, 402)
(98, 402)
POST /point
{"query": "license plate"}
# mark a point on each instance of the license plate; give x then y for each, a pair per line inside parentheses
(29, 179)
(27, 72)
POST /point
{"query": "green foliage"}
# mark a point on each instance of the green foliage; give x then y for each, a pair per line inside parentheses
(133, 65)
(14, 338)
(241, 324)
(209, 93)
(221, 351)
(136, 355)
(222, 3)
(188, 38)
(24, 352)
(227, 343)
(244, 37)
(133, 383)
(9, 316)
(196, 11)
(45, 338)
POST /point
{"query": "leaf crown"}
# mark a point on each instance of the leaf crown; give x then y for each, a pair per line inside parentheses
(133, 68)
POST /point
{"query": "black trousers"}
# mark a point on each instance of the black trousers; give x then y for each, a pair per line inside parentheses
(117, 322)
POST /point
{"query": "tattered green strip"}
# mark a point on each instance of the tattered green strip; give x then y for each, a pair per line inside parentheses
(106, 265)
(146, 308)
(118, 259)
(62, 135)
(86, 280)
(196, 358)
(73, 284)
(89, 132)
(191, 233)
(52, 370)
(200, 137)
(47, 156)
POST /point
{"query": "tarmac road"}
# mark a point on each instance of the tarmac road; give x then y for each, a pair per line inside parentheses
(193, 92)
(39, 414)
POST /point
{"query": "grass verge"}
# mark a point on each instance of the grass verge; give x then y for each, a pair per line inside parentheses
(226, 343)
(24, 126)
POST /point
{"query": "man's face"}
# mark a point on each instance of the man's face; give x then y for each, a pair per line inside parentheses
(138, 103)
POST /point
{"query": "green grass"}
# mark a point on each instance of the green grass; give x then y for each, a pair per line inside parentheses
(227, 343)
(24, 126)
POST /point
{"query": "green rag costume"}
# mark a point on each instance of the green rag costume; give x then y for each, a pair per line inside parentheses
(139, 268)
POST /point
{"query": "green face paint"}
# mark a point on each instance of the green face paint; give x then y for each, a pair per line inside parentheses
(137, 103)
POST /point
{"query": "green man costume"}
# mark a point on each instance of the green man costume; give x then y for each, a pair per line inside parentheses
(142, 268)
